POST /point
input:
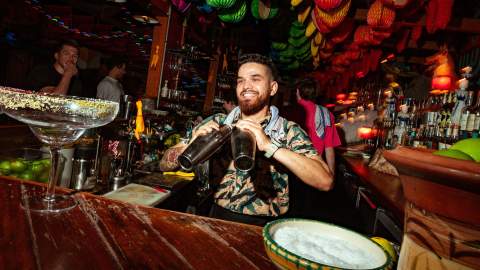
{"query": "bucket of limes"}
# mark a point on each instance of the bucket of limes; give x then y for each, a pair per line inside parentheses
(26, 164)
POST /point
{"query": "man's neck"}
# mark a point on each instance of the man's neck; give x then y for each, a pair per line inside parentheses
(113, 75)
(257, 117)
(58, 68)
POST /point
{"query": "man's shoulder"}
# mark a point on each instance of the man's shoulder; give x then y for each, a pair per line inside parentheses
(291, 125)
(105, 82)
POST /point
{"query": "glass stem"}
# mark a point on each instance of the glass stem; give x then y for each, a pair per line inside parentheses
(54, 175)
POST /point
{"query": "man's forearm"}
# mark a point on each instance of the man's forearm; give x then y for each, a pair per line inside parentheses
(63, 85)
(169, 160)
(313, 172)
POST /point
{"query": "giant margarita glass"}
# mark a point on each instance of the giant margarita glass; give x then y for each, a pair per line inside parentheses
(56, 121)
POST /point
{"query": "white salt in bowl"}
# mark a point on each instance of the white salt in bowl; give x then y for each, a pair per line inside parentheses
(308, 244)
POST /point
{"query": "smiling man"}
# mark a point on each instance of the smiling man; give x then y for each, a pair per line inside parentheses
(261, 194)
(61, 78)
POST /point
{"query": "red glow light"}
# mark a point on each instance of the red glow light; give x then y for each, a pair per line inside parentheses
(365, 133)
(442, 82)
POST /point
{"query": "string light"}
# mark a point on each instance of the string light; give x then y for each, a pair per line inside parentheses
(139, 39)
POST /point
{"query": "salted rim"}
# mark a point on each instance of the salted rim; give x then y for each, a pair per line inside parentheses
(14, 99)
(269, 238)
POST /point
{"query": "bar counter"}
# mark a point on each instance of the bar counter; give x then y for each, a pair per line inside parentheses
(104, 234)
(387, 188)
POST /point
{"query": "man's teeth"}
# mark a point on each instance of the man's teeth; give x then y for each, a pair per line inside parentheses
(249, 94)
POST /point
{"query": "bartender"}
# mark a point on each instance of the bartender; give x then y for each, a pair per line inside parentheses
(283, 149)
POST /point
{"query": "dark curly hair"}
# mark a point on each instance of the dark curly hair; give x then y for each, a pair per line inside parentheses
(66, 42)
(259, 59)
(308, 89)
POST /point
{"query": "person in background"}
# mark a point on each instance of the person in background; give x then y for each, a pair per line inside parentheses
(283, 149)
(319, 121)
(61, 78)
(229, 103)
(110, 87)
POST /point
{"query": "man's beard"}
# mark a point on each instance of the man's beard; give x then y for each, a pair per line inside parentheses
(252, 107)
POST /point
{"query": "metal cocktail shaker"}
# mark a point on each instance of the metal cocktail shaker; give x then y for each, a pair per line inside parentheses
(126, 108)
(243, 149)
(203, 147)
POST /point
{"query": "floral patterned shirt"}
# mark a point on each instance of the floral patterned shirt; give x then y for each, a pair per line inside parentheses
(236, 190)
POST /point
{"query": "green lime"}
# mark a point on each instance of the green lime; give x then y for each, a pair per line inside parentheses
(5, 167)
(18, 165)
(37, 168)
(45, 161)
(27, 175)
(43, 177)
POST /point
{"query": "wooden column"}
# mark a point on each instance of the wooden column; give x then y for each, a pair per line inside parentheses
(156, 57)
(211, 84)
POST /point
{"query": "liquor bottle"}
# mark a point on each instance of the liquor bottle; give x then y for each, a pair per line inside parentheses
(417, 140)
(476, 121)
(454, 136)
(466, 120)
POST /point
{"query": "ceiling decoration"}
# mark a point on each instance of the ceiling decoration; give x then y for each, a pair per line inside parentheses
(114, 28)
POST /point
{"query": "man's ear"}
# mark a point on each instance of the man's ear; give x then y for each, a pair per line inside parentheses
(55, 56)
(274, 88)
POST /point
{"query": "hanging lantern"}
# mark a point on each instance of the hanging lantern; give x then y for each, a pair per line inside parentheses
(334, 18)
(380, 16)
(438, 14)
(442, 83)
(396, 3)
(342, 32)
(319, 24)
(341, 96)
(328, 4)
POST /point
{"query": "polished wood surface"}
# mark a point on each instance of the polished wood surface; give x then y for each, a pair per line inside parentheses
(455, 173)
(447, 238)
(442, 185)
(104, 234)
(386, 188)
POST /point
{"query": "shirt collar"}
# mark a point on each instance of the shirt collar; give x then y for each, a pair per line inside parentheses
(111, 78)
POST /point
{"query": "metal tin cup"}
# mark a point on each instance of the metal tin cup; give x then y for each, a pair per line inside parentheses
(203, 147)
(243, 149)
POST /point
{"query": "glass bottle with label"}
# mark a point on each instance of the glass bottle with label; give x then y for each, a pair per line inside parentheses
(476, 115)
(467, 120)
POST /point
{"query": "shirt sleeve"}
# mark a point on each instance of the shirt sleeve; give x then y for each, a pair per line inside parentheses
(331, 138)
(299, 142)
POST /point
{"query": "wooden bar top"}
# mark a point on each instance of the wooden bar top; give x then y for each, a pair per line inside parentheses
(104, 234)
(386, 188)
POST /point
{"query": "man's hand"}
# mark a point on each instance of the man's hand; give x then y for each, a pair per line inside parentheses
(299, 97)
(262, 139)
(70, 69)
(205, 129)
(48, 89)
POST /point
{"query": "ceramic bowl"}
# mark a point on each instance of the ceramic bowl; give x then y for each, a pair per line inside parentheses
(285, 259)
